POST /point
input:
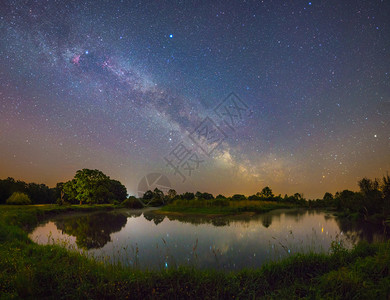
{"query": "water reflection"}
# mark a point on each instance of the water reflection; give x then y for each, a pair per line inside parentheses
(145, 239)
(92, 231)
(356, 231)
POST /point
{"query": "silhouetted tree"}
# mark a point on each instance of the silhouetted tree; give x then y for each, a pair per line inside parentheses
(158, 197)
(207, 196)
(40, 193)
(118, 189)
(253, 197)
(171, 195)
(328, 198)
(188, 196)
(372, 200)
(238, 197)
(266, 193)
(148, 195)
(385, 188)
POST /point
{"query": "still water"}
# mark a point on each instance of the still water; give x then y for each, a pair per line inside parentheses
(146, 240)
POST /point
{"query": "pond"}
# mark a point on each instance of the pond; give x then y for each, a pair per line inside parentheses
(146, 240)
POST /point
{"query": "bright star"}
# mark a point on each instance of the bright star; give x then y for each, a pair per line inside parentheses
(86, 52)
(171, 35)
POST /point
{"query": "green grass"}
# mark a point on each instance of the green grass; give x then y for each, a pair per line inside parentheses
(215, 207)
(32, 271)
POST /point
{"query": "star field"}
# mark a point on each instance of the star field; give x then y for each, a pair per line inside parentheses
(116, 85)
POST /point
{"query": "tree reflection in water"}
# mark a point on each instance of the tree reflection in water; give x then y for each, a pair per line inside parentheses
(362, 230)
(157, 219)
(92, 231)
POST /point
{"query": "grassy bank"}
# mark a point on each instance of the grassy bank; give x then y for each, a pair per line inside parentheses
(221, 207)
(28, 270)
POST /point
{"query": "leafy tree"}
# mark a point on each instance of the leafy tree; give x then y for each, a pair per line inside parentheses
(188, 196)
(266, 193)
(148, 195)
(93, 186)
(207, 196)
(278, 198)
(40, 193)
(220, 196)
(158, 196)
(59, 192)
(328, 197)
(372, 201)
(298, 196)
(253, 197)
(172, 194)
(385, 188)
(367, 185)
(238, 197)
(203, 196)
(70, 192)
(87, 183)
(102, 194)
(118, 189)
(347, 200)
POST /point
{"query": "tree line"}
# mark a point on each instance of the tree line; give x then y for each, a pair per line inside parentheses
(94, 187)
(372, 198)
(87, 186)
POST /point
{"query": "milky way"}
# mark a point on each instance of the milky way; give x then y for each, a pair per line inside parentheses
(118, 85)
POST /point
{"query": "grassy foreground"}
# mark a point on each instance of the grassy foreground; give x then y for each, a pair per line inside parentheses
(28, 270)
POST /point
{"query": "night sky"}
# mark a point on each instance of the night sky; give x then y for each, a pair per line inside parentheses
(223, 97)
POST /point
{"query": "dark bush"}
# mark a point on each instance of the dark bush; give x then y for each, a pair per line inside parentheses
(132, 202)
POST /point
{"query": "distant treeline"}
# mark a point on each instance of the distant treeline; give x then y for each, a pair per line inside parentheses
(94, 187)
(37, 193)
(372, 198)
